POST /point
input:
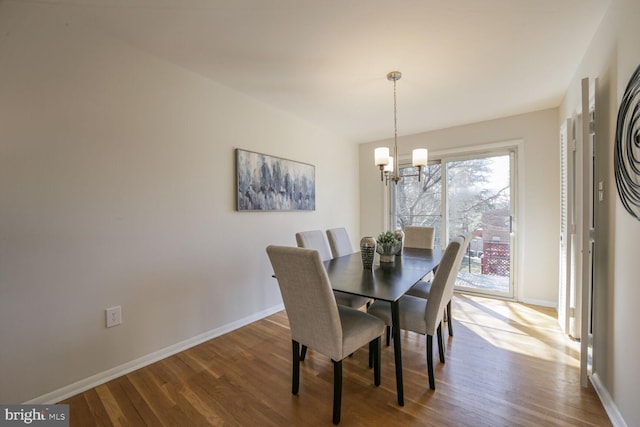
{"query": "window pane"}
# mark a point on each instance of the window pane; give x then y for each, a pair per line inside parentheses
(419, 202)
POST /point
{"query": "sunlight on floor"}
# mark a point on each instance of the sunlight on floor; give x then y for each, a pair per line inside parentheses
(534, 331)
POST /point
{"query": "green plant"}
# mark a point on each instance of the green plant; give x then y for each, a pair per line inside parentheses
(388, 244)
(387, 238)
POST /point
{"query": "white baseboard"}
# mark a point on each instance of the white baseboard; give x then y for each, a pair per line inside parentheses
(609, 405)
(105, 376)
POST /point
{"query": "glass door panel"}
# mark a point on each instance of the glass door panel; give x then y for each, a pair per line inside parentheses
(479, 202)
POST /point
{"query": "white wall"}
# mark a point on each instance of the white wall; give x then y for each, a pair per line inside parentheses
(117, 187)
(612, 57)
(539, 208)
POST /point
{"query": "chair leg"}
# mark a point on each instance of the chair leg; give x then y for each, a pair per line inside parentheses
(303, 353)
(371, 359)
(295, 383)
(449, 319)
(374, 355)
(432, 382)
(337, 390)
(440, 343)
(388, 335)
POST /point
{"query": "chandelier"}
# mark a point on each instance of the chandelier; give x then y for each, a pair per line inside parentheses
(389, 164)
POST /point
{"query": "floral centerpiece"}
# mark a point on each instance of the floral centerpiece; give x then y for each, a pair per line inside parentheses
(388, 246)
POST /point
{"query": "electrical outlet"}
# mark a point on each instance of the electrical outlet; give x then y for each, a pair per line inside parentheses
(114, 316)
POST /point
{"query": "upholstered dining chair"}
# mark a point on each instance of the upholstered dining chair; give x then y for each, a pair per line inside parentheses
(423, 287)
(419, 237)
(316, 321)
(316, 239)
(425, 316)
(339, 242)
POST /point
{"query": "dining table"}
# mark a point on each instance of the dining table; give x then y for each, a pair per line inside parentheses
(387, 281)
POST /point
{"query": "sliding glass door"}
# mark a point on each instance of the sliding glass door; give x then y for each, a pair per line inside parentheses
(466, 195)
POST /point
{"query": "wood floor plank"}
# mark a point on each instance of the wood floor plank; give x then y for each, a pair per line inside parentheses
(132, 404)
(508, 365)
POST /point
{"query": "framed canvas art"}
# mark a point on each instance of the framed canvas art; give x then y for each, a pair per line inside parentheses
(269, 183)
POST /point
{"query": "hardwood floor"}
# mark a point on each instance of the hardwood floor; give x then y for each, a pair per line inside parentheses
(508, 365)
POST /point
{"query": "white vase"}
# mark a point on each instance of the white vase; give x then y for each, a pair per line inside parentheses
(387, 258)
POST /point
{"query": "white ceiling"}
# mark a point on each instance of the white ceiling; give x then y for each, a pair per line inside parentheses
(326, 61)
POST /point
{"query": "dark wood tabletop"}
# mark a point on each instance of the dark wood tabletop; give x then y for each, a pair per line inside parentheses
(385, 281)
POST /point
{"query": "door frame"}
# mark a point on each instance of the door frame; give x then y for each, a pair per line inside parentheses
(576, 287)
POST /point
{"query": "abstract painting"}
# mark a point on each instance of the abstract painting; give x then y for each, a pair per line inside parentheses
(626, 157)
(268, 183)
